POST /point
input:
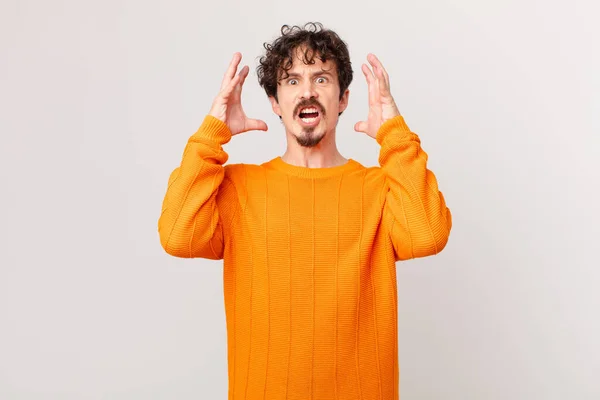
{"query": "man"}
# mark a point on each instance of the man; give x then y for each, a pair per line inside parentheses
(309, 240)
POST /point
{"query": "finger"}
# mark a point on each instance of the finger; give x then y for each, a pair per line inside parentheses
(384, 86)
(230, 73)
(226, 92)
(380, 74)
(243, 75)
(372, 84)
(379, 68)
(374, 60)
(360, 126)
(368, 73)
(256, 125)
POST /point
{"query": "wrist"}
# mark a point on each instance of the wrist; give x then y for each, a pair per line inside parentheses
(212, 129)
(395, 124)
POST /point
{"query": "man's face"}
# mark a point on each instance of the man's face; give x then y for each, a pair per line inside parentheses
(309, 100)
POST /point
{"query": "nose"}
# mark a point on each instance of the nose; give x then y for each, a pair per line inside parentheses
(308, 90)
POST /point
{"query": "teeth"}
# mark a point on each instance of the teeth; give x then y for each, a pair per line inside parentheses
(309, 110)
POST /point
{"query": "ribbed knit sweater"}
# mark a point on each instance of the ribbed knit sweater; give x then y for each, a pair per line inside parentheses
(309, 260)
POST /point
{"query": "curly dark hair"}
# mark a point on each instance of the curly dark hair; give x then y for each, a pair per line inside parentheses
(324, 43)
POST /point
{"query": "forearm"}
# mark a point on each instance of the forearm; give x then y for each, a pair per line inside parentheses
(189, 221)
(416, 211)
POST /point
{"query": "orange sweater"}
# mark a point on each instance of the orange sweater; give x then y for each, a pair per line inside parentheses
(309, 260)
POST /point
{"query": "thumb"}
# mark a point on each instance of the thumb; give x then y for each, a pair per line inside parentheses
(360, 126)
(256, 125)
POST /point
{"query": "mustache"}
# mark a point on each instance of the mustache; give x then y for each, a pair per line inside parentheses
(308, 103)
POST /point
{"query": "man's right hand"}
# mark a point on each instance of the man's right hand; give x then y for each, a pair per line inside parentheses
(227, 106)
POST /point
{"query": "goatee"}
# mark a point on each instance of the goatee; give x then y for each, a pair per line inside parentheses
(308, 139)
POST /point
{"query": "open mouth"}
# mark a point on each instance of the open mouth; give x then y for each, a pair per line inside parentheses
(309, 115)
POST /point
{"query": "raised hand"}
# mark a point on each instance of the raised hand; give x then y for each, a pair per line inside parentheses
(381, 103)
(227, 106)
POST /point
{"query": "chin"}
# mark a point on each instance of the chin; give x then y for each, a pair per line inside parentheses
(309, 138)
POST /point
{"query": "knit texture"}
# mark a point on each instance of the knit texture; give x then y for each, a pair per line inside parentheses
(309, 260)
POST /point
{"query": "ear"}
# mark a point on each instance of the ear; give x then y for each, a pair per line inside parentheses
(344, 101)
(275, 105)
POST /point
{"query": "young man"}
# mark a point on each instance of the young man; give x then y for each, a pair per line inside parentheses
(309, 240)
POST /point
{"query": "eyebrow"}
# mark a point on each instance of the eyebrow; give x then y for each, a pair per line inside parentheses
(297, 75)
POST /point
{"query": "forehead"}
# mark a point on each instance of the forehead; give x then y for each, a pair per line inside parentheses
(300, 58)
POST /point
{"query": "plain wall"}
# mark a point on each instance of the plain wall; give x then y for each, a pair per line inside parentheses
(99, 98)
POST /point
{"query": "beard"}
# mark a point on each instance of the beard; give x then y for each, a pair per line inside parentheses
(308, 138)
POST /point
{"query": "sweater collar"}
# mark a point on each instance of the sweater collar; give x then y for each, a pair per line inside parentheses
(306, 172)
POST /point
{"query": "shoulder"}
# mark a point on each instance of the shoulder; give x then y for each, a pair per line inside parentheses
(241, 174)
(240, 170)
(373, 180)
(373, 173)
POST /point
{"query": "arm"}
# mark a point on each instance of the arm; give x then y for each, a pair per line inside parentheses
(415, 211)
(190, 224)
(200, 200)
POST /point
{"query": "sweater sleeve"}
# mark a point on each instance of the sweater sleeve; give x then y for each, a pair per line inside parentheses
(414, 211)
(191, 224)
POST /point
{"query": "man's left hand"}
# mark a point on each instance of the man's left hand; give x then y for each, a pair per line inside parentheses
(381, 103)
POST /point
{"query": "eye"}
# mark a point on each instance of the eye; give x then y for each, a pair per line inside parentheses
(321, 79)
(292, 81)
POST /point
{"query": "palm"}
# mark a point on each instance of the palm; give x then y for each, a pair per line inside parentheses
(381, 103)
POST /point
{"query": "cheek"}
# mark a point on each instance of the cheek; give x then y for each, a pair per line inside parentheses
(286, 102)
(332, 108)
(288, 109)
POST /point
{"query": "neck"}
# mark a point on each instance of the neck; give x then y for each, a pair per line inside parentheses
(323, 155)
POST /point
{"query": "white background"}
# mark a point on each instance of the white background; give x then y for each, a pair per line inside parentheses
(98, 99)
